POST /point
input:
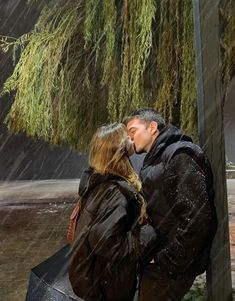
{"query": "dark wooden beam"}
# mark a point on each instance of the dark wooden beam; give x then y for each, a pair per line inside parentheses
(211, 136)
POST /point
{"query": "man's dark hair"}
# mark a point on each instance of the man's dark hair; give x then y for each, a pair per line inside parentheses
(147, 115)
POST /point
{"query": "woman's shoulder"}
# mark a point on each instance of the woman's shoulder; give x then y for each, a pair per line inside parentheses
(126, 189)
(122, 194)
(110, 189)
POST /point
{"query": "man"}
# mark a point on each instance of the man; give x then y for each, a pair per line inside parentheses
(178, 187)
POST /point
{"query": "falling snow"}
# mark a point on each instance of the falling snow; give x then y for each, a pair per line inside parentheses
(34, 209)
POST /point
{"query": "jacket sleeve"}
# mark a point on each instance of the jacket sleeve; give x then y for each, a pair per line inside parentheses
(110, 238)
(185, 190)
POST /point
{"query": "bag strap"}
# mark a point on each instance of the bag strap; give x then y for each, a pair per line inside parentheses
(73, 222)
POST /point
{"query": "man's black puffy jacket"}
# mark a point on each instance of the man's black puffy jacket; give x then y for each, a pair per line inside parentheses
(178, 186)
(109, 243)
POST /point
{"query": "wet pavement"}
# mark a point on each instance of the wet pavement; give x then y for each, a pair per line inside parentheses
(34, 219)
(16, 192)
(28, 236)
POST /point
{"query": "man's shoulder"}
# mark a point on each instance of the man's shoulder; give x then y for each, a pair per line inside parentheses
(182, 152)
(181, 157)
(183, 163)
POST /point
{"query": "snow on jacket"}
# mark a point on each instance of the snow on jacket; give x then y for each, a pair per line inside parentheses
(109, 243)
(178, 187)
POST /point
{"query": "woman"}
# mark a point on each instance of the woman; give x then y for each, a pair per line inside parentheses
(110, 240)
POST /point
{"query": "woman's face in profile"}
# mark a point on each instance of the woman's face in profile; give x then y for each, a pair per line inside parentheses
(129, 146)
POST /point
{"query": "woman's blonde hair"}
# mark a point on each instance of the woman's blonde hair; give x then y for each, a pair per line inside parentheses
(109, 149)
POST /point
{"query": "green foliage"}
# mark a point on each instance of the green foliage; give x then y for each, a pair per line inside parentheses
(188, 105)
(88, 62)
(228, 40)
(169, 54)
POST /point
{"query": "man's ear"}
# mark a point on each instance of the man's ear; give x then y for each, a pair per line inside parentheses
(153, 127)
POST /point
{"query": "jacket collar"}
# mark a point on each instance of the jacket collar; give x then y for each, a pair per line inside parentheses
(168, 135)
(90, 179)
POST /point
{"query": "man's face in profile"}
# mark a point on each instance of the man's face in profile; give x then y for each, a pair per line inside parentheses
(142, 134)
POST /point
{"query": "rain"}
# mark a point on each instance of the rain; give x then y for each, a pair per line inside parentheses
(39, 181)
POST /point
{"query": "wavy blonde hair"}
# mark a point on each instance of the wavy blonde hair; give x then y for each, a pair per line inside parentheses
(109, 154)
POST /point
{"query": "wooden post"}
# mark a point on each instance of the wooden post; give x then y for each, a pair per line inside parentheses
(211, 135)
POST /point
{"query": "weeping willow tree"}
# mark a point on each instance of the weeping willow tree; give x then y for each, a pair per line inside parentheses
(88, 62)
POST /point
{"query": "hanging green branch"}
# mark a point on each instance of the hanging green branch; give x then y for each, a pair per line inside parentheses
(169, 54)
(228, 41)
(42, 59)
(188, 106)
